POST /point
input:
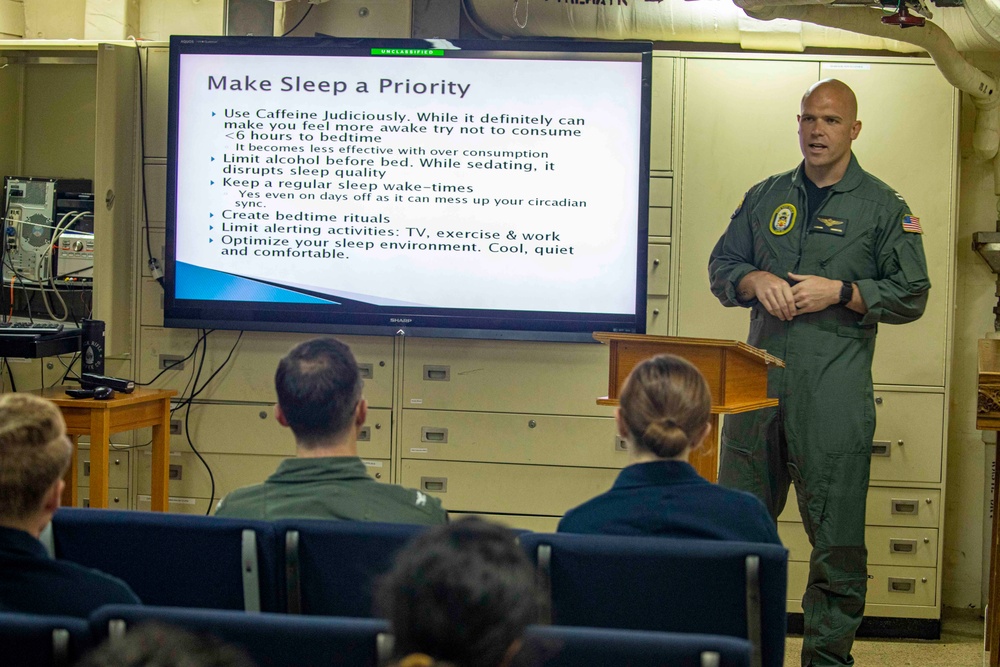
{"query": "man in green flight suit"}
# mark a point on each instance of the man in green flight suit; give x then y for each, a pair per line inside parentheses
(821, 255)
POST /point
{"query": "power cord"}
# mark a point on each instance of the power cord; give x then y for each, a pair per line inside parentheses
(308, 11)
(178, 362)
(187, 427)
(153, 262)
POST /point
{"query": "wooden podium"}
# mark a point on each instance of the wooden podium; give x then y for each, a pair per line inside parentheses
(736, 375)
(988, 419)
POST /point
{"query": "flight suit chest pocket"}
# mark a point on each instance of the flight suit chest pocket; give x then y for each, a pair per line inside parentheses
(845, 257)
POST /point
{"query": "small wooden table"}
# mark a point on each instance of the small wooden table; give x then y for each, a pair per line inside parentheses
(99, 419)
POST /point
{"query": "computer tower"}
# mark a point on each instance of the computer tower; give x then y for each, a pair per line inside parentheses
(38, 211)
(30, 211)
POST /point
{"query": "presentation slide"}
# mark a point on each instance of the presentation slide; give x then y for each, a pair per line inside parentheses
(410, 179)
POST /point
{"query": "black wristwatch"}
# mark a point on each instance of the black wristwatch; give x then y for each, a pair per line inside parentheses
(846, 292)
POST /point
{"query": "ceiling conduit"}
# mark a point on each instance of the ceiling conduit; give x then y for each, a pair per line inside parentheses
(705, 21)
(775, 25)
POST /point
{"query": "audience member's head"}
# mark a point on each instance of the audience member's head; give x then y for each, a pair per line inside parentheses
(460, 594)
(664, 407)
(319, 392)
(34, 455)
(159, 645)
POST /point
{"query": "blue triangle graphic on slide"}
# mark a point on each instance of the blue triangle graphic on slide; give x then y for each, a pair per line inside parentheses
(199, 283)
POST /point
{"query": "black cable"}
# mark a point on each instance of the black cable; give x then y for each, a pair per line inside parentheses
(24, 288)
(300, 21)
(190, 401)
(3, 249)
(176, 363)
(153, 262)
(187, 386)
(69, 367)
(187, 427)
(219, 369)
(10, 374)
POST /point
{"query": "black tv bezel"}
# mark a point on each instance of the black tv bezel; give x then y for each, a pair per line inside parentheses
(390, 320)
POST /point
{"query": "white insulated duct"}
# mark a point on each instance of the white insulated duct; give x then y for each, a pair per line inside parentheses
(931, 38)
(784, 25)
(985, 17)
(705, 21)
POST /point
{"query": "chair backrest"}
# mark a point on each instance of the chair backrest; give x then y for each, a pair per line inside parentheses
(672, 585)
(29, 640)
(174, 559)
(562, 646)
(331, 567)
(269, 639)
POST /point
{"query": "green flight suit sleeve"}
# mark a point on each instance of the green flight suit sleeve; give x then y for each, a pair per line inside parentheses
(732, 258)
(899, 294)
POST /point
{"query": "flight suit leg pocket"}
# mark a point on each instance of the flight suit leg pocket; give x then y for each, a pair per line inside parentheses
(736, 466)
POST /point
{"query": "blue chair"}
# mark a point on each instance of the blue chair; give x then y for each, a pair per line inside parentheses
(271, 640)
(561, 646)
(331, 567)
(27, 640)
(174, 559)
(664, 584)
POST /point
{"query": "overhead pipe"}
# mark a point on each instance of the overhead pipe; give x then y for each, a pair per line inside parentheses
(704, 21)
(776, 25)
(959, 72)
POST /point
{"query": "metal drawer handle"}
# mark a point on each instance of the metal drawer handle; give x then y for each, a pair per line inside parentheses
(434, 484)
(365, 434)
(902, 585)
(881, 448)
(900, 546)
(437, 373)
(433, 434)
(904, 506)
(367, 371)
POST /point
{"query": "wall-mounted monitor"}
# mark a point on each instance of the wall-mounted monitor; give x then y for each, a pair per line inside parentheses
(494, 189)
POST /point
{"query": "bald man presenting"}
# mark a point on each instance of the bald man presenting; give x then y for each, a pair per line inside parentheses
(820, 255)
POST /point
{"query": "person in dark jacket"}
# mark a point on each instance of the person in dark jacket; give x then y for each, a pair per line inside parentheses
(663, 414)
(34, 455)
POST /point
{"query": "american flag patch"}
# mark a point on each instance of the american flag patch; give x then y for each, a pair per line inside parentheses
(911, 223)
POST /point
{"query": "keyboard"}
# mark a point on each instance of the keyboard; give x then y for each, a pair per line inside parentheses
(29, 328)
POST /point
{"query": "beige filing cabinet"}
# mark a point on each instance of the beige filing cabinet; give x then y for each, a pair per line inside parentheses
(746, 107)
(507, 428)
(661, 194)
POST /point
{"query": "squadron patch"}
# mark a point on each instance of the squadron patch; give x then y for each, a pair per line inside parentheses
(824, 224)
(911, 223)
(783, 219)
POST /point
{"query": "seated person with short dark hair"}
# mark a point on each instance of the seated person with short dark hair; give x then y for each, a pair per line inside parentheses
(663, 413)
(319, 397)
(460, 595)
(34, 455)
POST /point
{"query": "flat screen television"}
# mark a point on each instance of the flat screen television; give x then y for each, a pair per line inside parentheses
(493, 189)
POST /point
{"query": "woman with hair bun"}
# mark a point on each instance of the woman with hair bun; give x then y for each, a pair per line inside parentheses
(663, 414)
